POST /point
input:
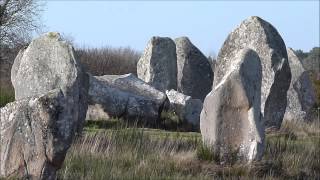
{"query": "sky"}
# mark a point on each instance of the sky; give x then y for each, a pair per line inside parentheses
(206, 23)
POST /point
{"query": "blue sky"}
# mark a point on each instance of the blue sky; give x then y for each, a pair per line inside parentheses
(206, 23)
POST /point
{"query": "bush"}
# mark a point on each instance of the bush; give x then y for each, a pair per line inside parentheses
(206, 153)
(107, 60)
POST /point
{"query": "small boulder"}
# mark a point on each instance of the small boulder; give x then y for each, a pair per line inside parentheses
(187, 109)
(301, 94)
(230, 121)
(262, 37)
(195, 75)
(158, 64)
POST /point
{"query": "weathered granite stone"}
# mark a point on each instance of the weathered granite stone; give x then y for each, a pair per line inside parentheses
(49, 63)
(195, 75)
(51, 91)
(301, 95)
(112, 100)
(187, 109)
(126, 96)
(131, 84)
(35, 134)
(262, 37)
(158, 64)
(230, 121)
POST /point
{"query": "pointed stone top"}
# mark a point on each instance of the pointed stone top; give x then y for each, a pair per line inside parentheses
(254, 18)
(182, 38)
(262, 37)
(54, 35)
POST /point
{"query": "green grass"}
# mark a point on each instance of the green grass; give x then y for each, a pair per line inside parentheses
(114, 149)
(6, 97)
(126, 152)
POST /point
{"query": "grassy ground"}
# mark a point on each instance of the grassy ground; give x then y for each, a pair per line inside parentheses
(108, 150)
(113, 150)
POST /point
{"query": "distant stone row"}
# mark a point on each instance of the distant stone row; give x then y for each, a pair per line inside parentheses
(247, 95)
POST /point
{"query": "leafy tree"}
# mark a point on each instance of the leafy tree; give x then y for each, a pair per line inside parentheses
(18, 20)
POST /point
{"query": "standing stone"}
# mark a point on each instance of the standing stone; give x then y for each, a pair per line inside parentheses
(51, 102)
(301, 95)
(230, 121)
(187, 109)
(195, 74)
(49, 63)
(262, 37)
(158, 64)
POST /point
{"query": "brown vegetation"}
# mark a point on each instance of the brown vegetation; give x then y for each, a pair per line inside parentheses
(107, 60)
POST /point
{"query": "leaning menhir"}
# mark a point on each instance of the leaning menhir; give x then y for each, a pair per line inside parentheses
(262, 37)
(230, 121)
(301, 94)
(195, 74)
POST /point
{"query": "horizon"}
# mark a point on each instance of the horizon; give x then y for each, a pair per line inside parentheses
(207, 24)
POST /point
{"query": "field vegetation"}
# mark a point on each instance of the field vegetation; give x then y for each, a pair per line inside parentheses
(115, 150)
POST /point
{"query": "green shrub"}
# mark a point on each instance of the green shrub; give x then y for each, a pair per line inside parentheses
(206, 153)
(169, 120)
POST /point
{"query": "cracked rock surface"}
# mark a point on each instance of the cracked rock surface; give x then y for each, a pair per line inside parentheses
(187, 109)
(262, 37)
(51, 102)
(126, 96)
(158, 64)
(230, 122)
(195, 75)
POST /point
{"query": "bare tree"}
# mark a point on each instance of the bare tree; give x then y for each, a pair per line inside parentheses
(18, 19)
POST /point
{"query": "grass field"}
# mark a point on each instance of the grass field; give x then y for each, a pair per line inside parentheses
(111, 151)
(114, 150)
